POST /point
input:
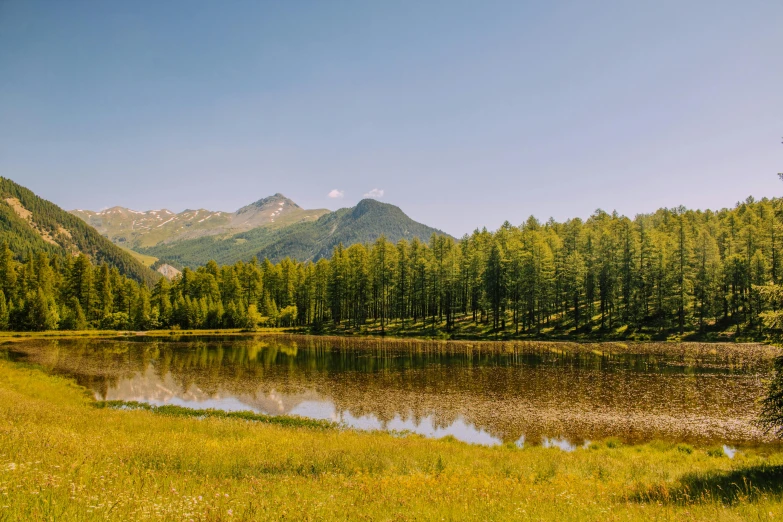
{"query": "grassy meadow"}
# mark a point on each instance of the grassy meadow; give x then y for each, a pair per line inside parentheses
(64, 458)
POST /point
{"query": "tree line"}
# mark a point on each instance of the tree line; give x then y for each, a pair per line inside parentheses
(676, 269)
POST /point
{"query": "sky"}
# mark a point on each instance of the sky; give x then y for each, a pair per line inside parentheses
(463, 113)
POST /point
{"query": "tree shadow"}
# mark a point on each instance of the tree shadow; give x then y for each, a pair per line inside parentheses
(728, 487)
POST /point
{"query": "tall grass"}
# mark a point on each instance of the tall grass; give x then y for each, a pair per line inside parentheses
(63, 459)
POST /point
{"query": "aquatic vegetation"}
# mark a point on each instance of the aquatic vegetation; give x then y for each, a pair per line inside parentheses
(248, 416)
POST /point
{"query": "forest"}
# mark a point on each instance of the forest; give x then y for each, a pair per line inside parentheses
(674, 270)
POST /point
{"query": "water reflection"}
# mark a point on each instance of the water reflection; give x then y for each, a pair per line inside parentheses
(729, 451)
(559, 442)
(557, 393)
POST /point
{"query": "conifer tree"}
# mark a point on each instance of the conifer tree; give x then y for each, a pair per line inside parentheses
(7, 271)
(4, 314)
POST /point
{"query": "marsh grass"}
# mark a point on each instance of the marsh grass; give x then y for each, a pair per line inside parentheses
(61, 458)
(208, 413)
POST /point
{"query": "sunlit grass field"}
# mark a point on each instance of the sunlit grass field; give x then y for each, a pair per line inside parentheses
(62, 458)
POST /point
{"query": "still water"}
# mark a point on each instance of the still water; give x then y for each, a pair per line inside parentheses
(553, 394)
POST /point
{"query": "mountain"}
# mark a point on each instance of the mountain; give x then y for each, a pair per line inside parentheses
(137, 230)
(307, 240)
(30, 223)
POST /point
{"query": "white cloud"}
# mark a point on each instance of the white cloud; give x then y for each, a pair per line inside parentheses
(375, 194)
(336, 194)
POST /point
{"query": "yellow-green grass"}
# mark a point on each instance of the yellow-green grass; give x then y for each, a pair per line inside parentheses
(143, 258)
(61, 458)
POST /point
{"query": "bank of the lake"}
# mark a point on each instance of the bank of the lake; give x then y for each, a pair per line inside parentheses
(62, 458)
(461, 330)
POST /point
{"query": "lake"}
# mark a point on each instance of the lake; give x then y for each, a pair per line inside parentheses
(549, 393)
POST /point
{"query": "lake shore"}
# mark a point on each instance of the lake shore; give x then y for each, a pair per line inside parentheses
(62, 457)
(371, 331)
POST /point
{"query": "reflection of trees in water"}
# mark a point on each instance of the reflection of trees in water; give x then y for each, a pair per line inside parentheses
(535, 389)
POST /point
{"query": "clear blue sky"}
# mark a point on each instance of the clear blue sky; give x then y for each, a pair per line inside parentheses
(465, 114)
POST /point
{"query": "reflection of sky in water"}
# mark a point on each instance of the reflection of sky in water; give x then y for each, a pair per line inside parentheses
(541, 394)
(459, 429)
(312, 409)
(325, 410)
(149, 388)
(729, 451)
(560, 442)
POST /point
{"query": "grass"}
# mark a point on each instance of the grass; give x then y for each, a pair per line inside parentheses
(63, 458)
(144, 259)
(249, 416)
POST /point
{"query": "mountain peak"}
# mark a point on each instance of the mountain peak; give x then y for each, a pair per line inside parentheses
(368, 205)
(277, 200)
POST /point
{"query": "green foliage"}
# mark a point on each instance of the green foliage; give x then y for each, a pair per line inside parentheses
(685, 448)
(4, 315)
(253, 318)
(287, 316)
(73, 316)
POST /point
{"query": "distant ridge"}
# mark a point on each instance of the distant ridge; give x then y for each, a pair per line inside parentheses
(140, 229)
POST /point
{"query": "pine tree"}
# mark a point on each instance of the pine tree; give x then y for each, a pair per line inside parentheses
(7, 271)
(495, 283)
(80, 281)
(4, 313)
(41, 313)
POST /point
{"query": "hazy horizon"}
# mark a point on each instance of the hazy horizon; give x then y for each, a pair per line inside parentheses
(463, 115)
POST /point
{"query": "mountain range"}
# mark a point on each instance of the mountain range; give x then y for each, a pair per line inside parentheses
(274, 227)
(131, 241)
(303, 240)
(137, 230)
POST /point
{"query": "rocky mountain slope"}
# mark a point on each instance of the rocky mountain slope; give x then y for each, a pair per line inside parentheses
(30, 223)
(137, 230)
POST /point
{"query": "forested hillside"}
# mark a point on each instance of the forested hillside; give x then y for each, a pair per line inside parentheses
(30, 223)
(676, 271)
(312, 240)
